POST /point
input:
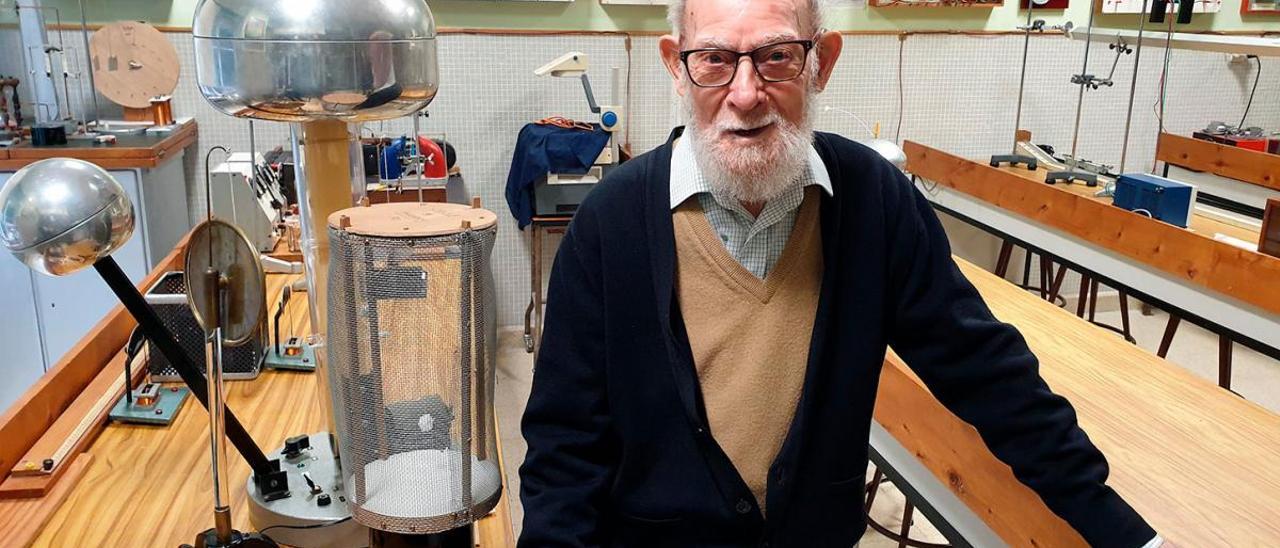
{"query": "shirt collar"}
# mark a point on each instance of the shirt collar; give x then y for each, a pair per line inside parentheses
(687, 180)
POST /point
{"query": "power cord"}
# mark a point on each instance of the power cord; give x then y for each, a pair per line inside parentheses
(1257, 76)
(312, 526)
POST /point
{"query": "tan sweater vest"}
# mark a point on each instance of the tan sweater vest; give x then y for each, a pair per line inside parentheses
(750, 337)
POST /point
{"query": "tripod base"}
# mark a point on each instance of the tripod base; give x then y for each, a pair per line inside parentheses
(1013, 160)
(1089, 179)
(209, 539)
(461, 537)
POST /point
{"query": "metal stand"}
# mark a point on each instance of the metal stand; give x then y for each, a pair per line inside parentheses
(217, 439)
(1015, 158)
(1084, 79)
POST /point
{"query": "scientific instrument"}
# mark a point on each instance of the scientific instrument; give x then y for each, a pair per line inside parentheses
(226, 289)
(291, 351)
(61, 215)
(412, 354)
(149, 403)
(136, 67)
(327, 68)
(560, 192)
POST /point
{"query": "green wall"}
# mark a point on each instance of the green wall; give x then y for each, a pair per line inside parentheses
(590, 15)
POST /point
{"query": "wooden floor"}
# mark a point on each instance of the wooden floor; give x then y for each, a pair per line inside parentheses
(148, 486)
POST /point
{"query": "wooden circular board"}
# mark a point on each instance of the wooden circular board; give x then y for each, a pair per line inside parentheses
(132, 62)
(411, 219)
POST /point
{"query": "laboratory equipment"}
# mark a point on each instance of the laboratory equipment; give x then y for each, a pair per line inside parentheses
(560, 193)
(1156, 197)
(61, 215)
(411, 364)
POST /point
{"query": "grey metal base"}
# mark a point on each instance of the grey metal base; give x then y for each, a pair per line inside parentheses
(281, 519)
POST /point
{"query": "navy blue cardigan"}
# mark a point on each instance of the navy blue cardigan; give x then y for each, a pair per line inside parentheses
(620, 453)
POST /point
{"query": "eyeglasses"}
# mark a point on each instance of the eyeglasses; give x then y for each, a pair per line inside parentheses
(776, 62)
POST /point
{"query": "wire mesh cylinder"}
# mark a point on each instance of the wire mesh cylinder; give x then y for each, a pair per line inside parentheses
(411, 367)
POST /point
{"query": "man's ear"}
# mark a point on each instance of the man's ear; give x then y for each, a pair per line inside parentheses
(669, 49)
(829, 45)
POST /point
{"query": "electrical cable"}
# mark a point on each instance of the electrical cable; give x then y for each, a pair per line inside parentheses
(1257, 76)
(829, 108)
(312, 526)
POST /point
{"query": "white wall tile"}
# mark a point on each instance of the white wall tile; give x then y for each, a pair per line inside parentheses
(959, 93)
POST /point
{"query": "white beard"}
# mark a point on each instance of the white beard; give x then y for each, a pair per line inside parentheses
(758, 172)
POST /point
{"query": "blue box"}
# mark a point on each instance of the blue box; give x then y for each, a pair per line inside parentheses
(1156, 197)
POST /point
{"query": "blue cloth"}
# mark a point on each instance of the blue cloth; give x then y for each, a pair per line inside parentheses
(541, 149)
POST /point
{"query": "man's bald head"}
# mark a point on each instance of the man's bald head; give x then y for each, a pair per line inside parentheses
(812, 14)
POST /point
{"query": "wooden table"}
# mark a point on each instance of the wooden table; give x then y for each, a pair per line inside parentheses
(1226, 289)
(129, 151)
(1196, 461)
(150, 486)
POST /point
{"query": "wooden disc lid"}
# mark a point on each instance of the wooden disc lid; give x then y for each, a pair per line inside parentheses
(133, 62)
(412, 220)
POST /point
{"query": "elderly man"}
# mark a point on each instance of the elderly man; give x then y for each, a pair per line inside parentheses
(719, 313)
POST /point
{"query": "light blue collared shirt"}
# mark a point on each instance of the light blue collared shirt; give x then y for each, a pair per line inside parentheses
(755, 242)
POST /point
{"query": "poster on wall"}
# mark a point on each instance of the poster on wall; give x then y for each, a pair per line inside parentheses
(1256, 7)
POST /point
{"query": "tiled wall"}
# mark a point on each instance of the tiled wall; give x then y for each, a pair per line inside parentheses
(959, 93)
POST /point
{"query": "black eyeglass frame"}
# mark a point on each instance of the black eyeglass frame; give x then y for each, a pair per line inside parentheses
(737, 60)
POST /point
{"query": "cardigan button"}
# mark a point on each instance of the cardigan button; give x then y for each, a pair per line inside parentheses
(743, 506)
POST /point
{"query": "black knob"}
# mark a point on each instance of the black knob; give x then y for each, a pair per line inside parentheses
(294, 446)
(323, 500)
(47, 464)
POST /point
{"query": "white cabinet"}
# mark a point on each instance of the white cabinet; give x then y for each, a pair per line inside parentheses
(21, 357)
(42, 317)
(69, 306)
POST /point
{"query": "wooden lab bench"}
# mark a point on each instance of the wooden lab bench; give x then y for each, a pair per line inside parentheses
(1193, 459)
(1185, 271)
(141, 486)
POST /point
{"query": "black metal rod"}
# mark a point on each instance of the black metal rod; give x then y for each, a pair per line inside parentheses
(164, 340)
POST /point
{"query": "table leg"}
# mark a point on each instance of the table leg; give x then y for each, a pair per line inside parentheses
(1093, 297)
(1224, 362)
(1124, 316)
(1083, 299)
(537, 291)
(1046, 271)
(1002, 263)
(528, 310)
(1170, 329)
(1055, 290)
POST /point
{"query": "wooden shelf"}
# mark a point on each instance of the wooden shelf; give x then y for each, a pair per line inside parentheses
(130, 151)
(1262, 46)
(1241, 164)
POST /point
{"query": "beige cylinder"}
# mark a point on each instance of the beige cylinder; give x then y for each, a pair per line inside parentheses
(330, 178)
